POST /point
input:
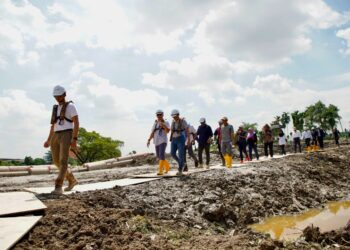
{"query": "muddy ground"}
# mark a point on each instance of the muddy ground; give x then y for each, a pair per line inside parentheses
(209, 210)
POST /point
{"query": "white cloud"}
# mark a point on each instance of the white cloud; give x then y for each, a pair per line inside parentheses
(279, 90)
(270, 33)
(322, 16)
(280, 94)
(207, 98)
(345, 34)
(156, 80)
(29, 57)
(108, 25)
(272, 83)
(24, 124)
(111, 102)
(345, 77)
(191, 108)
(197, 73)
(209, 76)
(79, 67)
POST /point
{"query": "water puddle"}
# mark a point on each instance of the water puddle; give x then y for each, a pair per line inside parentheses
(334, 216)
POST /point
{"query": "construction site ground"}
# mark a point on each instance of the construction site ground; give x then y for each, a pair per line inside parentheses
(208, 210)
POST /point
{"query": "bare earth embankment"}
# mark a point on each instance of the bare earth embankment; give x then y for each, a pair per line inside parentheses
(210, 210)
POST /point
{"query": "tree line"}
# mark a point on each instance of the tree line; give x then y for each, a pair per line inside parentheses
(316, 115)
(91, 147)
(94, 147)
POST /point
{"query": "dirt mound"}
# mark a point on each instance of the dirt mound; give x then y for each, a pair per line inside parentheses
(339, 237)
(210, 210)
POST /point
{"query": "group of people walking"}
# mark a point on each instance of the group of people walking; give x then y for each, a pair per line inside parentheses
(63, 136)
(183, 137)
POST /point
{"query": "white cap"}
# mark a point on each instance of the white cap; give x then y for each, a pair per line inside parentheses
(175, 112)
(58, 90)
(159, 112)
(202, 120)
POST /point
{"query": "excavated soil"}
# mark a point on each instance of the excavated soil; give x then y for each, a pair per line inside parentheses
(209, 210)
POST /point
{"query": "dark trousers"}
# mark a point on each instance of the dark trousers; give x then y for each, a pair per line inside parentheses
(268, 146)
(283, 149)
(205, 147)
(320, 141)
(221, 156)
(297, 143)
(337, 141)
(307, 142)
(189, 149)
(242, 146)
(252, 146)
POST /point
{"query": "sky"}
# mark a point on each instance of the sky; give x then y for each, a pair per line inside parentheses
(120, 61)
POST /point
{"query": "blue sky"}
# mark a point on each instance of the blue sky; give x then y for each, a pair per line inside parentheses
(122, 60)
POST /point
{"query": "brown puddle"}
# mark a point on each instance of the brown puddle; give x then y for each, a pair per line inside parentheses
(334, 216)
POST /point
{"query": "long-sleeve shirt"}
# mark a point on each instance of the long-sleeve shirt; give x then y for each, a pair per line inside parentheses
(204, 132)
(306, 135)
(296, 134)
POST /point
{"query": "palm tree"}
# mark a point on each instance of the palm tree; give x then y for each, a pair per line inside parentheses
(285, 119)
(298, 119)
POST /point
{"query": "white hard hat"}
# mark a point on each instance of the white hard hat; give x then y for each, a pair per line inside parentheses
(202, 120)
(159, 112)
(175, 112)
(58, 90)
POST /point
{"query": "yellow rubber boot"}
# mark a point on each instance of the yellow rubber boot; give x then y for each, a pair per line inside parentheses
(161, 166)
(226, 160)
(167, 166)
(229, 157)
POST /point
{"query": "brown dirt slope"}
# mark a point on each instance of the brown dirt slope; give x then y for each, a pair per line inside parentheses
(210, 210)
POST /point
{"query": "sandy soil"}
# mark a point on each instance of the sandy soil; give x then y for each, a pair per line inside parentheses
(209, 210)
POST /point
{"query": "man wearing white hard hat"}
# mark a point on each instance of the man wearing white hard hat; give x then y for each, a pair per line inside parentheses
(159, 132)
(63, 136)
(179, 133)
(204, 137)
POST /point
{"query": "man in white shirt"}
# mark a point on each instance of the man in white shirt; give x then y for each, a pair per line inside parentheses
(307, 136)
(63, 136)
(296, 135)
